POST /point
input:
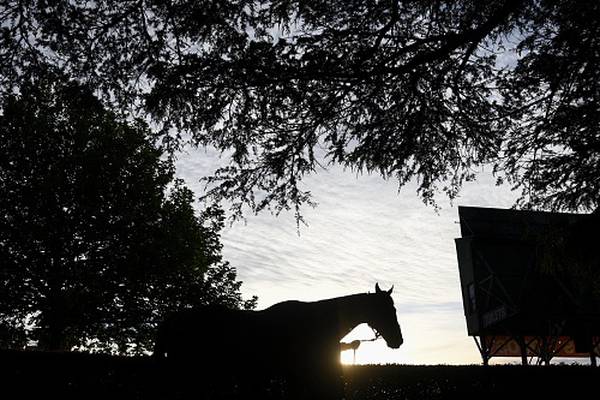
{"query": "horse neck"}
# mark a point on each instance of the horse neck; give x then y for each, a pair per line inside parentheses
(351, 311)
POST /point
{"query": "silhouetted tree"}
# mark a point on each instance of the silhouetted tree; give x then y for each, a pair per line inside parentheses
(97, 238)
(409, 89)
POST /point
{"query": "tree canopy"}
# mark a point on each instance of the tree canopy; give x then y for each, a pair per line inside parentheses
(426, 90)
(98, 240)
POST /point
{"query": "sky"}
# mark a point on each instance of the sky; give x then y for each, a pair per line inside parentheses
(363, 231)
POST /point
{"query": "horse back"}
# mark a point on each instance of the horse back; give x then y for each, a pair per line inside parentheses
(280, 337)
(200, 332)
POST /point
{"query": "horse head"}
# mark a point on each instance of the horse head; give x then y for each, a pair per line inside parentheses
(383, 317)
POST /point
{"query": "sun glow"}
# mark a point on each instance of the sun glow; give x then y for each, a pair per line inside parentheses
(369, 352)
(347, 357)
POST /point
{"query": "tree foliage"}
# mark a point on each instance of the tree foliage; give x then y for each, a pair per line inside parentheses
(97, 239)
(430, 90)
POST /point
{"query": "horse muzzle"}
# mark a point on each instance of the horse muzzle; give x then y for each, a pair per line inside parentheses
(395, 343)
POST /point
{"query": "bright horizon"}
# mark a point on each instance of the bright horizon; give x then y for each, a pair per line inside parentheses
(362, 232)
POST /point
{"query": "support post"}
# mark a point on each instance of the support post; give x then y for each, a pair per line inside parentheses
(484, 349)
(523, 348)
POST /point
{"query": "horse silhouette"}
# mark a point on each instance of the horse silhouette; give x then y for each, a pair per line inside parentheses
(298, 341)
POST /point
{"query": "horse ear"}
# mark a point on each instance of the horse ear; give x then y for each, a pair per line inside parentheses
(377, 289)
(390, 291)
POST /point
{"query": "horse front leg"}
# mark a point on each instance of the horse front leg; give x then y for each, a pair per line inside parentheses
(321, 378)
(315, 386)
(326, 384)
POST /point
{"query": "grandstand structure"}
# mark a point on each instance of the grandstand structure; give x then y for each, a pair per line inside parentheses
(530, 283)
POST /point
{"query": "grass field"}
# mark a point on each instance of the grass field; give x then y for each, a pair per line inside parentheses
(84, 376)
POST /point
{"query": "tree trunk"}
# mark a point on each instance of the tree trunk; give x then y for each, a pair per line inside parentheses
(52, 319)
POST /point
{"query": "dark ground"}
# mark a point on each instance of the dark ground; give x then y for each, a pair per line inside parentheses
(84, 376)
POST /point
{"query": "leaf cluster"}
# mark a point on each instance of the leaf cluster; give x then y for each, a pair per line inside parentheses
(98, 240)
(427, 90)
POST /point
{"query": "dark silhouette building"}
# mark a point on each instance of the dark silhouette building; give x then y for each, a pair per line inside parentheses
(530, 283)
